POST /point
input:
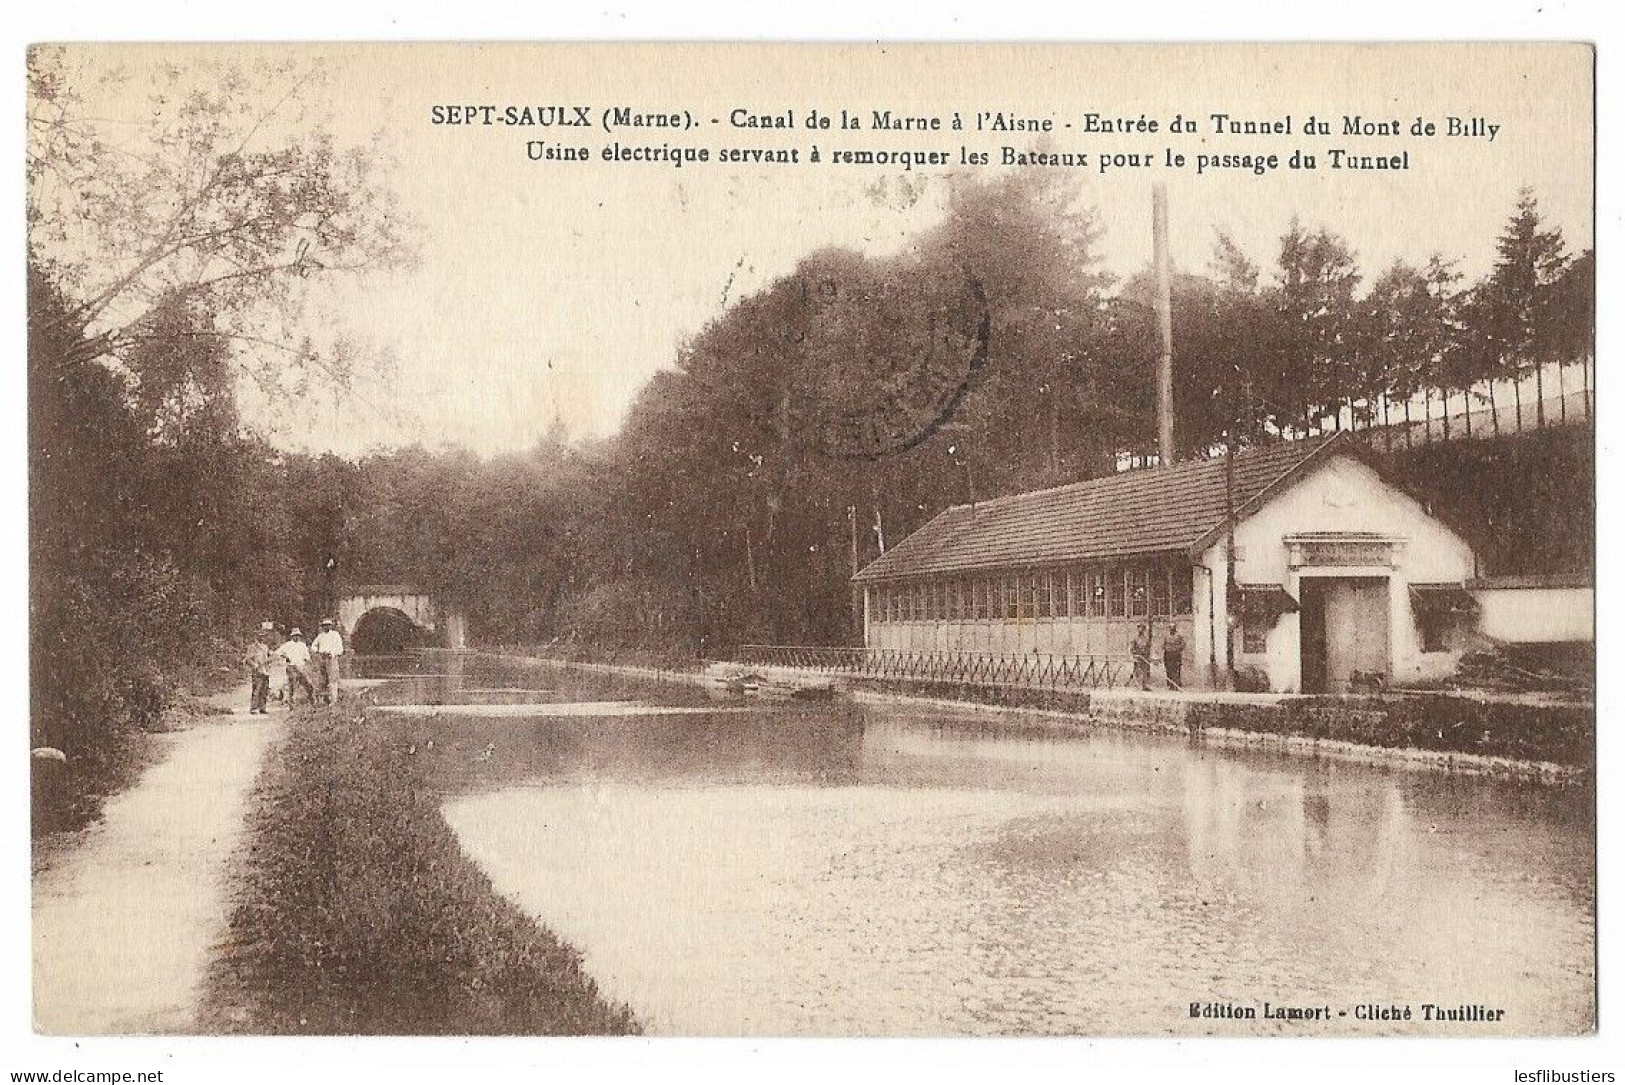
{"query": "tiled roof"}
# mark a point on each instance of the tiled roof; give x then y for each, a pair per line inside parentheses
(1157, 510)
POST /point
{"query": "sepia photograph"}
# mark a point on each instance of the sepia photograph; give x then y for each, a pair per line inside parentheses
(812, 540)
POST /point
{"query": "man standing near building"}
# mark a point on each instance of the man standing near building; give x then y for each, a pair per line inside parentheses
(328, 647)
(1142, 657)
(1173, 657)
(258, 660)
(295, 654)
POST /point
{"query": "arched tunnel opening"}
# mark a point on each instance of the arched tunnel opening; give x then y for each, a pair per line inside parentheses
(384, 630)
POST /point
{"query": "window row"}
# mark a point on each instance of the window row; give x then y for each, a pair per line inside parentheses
(1134, 591)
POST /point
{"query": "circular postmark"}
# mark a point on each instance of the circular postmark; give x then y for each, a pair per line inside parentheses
(898, 355)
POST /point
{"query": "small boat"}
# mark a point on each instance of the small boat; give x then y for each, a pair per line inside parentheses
(737, 681)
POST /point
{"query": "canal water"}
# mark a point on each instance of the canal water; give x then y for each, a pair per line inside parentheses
(733, 867)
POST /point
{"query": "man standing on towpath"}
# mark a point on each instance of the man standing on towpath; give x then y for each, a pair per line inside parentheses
(296, 654)
(327, 648)
(258, 660)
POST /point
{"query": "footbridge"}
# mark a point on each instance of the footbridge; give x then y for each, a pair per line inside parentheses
(396, 615)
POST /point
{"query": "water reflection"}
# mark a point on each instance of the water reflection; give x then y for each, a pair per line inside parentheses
(833, 870)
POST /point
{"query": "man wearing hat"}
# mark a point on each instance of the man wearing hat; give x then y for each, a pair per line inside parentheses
(327, 648)
(296, 654)
(258, 661)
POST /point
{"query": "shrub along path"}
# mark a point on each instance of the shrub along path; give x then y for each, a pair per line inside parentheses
(126, 918)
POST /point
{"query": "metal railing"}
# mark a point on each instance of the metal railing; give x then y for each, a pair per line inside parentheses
(1050, 672)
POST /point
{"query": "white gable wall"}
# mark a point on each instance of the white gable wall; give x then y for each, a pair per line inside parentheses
(1341, 494)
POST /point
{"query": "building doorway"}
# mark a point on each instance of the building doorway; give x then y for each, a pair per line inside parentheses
(1343, 631)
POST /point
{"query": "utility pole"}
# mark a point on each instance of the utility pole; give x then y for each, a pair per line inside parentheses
(856, 590)
(1232, 595)
(960, 454)
(1165, 325)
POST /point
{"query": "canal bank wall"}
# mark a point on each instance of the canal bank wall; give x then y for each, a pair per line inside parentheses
(1455, 733)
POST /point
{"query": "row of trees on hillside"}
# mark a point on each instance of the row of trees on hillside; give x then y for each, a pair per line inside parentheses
(1310, 346)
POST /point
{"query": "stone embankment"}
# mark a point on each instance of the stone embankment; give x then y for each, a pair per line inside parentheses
(1506, 736)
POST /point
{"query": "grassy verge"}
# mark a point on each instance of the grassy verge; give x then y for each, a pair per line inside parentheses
(358, 913)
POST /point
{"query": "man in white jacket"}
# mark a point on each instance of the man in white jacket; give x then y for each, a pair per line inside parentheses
(296, 653)
(326, 650)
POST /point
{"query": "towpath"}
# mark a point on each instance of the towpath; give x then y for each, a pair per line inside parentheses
(127, 918)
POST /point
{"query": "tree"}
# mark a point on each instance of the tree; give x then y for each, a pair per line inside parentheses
(1030, 246)
(212, 189)
(1414, 331)
(1316, 284)
(1570, 319)
(1510, 319)
(109, 611)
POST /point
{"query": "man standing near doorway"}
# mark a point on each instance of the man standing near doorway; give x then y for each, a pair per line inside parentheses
(1141, 651)
(327, 648)
(1173, 657)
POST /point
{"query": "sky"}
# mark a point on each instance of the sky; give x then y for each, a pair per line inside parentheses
(548, 290)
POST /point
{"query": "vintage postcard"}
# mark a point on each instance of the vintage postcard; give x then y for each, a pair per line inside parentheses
(812, 540)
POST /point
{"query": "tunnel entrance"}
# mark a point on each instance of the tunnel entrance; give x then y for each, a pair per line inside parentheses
(384, 630)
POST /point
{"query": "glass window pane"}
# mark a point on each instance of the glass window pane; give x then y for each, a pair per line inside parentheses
(1159, 592)
(1137, 593)
(1114, 593)
(1041, 597)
